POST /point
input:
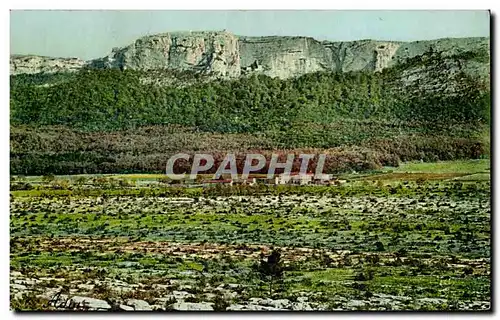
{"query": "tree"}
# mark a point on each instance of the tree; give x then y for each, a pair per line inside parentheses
(271, 269)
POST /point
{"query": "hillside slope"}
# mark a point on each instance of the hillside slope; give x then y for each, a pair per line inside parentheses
(422, 104)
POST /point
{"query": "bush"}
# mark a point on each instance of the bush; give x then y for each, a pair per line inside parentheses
(20, 186)
(30, 302)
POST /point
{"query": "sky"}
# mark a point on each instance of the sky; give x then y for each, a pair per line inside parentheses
(92, 34)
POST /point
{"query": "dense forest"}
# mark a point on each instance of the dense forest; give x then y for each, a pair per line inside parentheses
(92, 120)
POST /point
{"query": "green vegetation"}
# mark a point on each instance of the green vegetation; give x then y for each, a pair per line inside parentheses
(469, 167)
(351, 145)
(407, 245)
(112, 121)
(397, 235)
(114, 100)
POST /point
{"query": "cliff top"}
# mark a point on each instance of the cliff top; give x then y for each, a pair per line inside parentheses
(185, 33)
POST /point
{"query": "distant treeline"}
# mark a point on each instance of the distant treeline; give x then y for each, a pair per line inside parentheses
(62, 150)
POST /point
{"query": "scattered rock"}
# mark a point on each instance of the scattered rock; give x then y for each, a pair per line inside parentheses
(91, 303)
(301, 306)
(86, 287)
(15, 286)
(356, 303)
(192, 306)
(51, 279)
(122, 286)
(252, 307)
(161, 286)
(128, 264)
(279, 304)
(14, 274)
(235, 307)
(209, 296)
(177, 296)
(126, 308)
(20, 294)
(26, 281)
(49, 293)
(388, 296)
(139, 304)
(157, 307)
(432, 300)
(180, 295)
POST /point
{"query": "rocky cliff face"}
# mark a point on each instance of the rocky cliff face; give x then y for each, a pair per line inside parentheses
(224, 55)
(282, 57)
(286, 57)
(30, 64)
(215, 53)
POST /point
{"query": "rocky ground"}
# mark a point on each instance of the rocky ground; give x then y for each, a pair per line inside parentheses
(408, 247)
(173, 296)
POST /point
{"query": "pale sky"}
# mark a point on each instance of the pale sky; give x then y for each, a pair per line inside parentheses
(92, 34)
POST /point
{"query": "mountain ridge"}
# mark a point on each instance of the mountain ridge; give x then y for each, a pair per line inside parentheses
(222, 54)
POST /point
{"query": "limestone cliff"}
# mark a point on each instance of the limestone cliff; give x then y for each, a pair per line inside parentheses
(224, 55)
(282, 57)
(30, 64)
(215, 53)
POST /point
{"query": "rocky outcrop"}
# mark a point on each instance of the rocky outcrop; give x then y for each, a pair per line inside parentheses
(286, 57)
(447, 47)
(445, 66)
(282, 57)
(30, 64)
(224, 55)
(383, 55)
(214, 53)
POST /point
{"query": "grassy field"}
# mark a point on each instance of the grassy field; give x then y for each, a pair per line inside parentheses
(406, 238)
(466, 167)
(466, 170)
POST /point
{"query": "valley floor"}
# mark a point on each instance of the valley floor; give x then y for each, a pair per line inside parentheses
(416, 237)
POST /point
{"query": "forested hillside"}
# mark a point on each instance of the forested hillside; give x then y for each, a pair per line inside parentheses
(382, 112)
